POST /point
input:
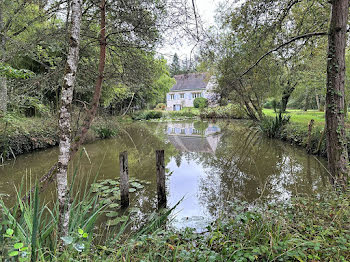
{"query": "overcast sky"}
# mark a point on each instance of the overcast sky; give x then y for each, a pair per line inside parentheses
(206, 10)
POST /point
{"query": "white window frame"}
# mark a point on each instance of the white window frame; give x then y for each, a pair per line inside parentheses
(196, 95)
(172, 96)
(182, 95)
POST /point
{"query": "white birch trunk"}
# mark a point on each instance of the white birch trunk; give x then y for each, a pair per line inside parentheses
(3, 95)
(65, 117)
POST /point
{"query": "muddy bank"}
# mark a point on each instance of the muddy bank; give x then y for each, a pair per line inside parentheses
(38, 134)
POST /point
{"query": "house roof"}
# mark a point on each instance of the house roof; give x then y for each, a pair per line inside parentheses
(191, 144)
(190, 82)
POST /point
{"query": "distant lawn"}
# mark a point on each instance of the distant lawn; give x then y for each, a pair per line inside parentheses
(300, 116)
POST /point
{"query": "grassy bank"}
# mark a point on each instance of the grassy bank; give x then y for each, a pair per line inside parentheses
(301, 117)
(304, 229)
(296, 131)
(19, 135)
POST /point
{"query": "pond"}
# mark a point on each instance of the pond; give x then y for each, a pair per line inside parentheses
(210, 165)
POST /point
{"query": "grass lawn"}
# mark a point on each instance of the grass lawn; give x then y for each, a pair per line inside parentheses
(301, 117)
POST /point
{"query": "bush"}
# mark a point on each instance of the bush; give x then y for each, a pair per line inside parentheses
(232, 111)
(161, 106)
(182, 113)
(200, 102)
(272, 104)
(105, 132)
(146, 115)
(272, 126)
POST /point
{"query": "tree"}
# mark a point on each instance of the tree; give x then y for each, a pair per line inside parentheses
(3, 82)
(338, 160)
(65, 117)
(175, 68)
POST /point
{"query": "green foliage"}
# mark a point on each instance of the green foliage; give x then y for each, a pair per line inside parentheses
(184, 113)
(272, 126)
(302, 117)
(272, 104)
(306, 229)
(105, 130)
(146, 115)
(175, 68)
(10, 72)
(200, 102)
(161, 106)
(231, 111)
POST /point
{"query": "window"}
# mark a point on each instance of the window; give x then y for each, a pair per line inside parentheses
(182, 96)
(195, 95)
(195, 131)
(172, 96)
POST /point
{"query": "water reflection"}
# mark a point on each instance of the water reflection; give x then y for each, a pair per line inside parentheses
(210, 164)
(194, 137)
(238, 165)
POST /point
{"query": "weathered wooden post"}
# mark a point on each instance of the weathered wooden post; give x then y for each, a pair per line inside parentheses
(160, 179)
(124, 179)
(311, 124)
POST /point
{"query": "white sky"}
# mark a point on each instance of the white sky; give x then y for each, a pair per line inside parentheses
(206, 10)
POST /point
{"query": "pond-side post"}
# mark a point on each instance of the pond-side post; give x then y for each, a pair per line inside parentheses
(124, 179)
(311, 124)
(160, 179)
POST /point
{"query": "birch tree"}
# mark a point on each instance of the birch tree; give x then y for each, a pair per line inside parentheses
(65, 116)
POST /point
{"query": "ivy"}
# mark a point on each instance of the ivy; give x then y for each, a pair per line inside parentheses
(10, 72)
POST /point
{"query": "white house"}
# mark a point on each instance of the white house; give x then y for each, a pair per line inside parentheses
(187, 88)
(186, 138)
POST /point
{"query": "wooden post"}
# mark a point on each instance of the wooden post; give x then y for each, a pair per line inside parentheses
(308, 147)
(160, 178)
(124, 179)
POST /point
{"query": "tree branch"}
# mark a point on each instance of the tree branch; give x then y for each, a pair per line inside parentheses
(282, 45)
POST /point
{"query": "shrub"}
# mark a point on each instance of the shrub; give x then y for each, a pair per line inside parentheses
(105, 130)
(230, 111)
(271, 126)
(146, 115)
(161, 106)
(272, 104)
(182, 113)
(200, 102)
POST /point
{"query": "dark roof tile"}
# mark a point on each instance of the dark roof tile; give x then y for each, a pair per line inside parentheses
(190, 82)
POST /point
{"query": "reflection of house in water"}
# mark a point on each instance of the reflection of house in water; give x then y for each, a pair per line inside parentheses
(194, 137)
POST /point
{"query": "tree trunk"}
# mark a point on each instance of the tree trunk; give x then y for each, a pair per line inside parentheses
(306, 103)
(47, 178)
(287, 92)
(65, 117)
(3, 80)
(336, 140)
(318, 103)
(3, 95)
(98, 86)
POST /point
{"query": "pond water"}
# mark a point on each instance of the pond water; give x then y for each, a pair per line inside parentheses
(209, 165)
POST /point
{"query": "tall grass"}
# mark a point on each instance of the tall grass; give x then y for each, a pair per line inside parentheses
(28, 230)
(271, 126)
